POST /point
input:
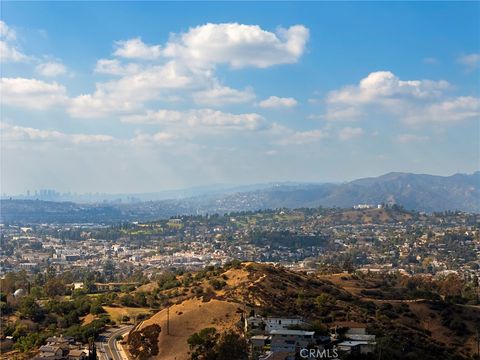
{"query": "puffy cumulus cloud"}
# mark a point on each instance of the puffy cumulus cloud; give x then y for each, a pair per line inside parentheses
(219, 95)
(383, 86)
(14, 133)
(32, 93)
(275, 102)
(470, 61)
(238, 45)
(412, 101)
(130, 92)
(199, 118)
(348, 133)
(51, 69)
(409, 138)
(137, 49)
(115, 67)
(185, 67)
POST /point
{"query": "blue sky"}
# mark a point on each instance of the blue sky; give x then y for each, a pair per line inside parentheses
(139, 97)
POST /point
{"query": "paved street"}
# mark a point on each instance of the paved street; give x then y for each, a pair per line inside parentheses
(107, 347)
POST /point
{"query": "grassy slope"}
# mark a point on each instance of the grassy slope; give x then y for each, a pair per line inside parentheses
(277, 291)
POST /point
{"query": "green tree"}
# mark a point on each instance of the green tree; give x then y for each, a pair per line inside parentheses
(202, 344)
(231, 346)
(54, 287)
(29, 309)
(30, 341)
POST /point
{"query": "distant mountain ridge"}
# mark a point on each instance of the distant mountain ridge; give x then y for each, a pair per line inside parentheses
(418, 192)
(413, 191)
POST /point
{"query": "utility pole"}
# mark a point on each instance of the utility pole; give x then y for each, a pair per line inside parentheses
(168, 320)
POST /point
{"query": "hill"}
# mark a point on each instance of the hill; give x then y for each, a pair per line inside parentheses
(413, 191)
(400, 318)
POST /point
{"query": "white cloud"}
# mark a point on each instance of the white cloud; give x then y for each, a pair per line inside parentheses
(238, 45)
(198, 118)
(447, 111)
(304, 137)
(382, 86)
(412, 101)
(9, 53)
(185, 67)
(162, 137)
(287, 136)
(340, 114)
(275, 102)
(408, 138)
(137, 49)
(115, 67)
(84, 138)
(100, 104)
(221, 95)
(470, 61)
(154, 117)
(6, 32)
(51, 69)
(20, 133)
(131, 91)
(32, 93)
(12, 133)
(348, 133)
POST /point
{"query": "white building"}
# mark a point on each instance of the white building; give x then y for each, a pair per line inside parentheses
(281, 323)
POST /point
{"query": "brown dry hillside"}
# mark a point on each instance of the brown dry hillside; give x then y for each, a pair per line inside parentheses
(428, 328)
(187, 318)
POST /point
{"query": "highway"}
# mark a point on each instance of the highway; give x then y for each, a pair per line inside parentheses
(107, 348)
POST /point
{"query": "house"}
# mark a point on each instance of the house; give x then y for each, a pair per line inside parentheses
(51, 352)
(259, 342)
(356, 347)
(272, 323)
(77, 354)
(279, 323)
(290, 340)
(59, 340)
(357, 342)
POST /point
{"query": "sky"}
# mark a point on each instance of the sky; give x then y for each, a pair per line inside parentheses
(123, 97)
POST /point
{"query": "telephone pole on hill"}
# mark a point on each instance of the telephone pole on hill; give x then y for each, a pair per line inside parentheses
(168, 320)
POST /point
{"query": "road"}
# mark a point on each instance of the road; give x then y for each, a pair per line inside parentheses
(107, 348)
